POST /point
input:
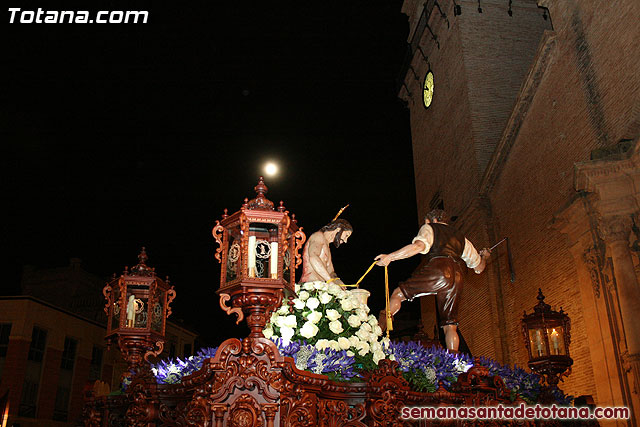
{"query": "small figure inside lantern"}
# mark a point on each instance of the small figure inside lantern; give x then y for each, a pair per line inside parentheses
(131, 311)
(136, 318)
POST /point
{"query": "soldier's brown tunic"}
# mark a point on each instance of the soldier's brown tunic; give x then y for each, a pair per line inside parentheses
(441, 274)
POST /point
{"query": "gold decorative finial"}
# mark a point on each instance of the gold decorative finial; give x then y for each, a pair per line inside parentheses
(340, 212)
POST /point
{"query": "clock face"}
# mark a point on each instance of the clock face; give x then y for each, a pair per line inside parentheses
(427, 89)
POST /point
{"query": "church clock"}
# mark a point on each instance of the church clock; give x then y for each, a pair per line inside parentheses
(427, 89)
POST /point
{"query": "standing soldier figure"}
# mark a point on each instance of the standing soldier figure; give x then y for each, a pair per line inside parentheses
(447, 253)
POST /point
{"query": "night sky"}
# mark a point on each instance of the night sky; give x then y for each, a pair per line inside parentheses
(121, 136)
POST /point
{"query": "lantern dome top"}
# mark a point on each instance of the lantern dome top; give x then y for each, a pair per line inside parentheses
(260, 202)
(543, 313)
(141, 269)
(541, 307)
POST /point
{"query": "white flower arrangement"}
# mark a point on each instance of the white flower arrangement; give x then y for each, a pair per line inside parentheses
(326, 316)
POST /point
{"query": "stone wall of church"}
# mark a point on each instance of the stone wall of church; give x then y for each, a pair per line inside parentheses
(582, 93)
(497, 49)
(583, 102)
(443, 151)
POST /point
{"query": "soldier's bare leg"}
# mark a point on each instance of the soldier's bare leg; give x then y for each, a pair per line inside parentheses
(451, 337)
(395, 302)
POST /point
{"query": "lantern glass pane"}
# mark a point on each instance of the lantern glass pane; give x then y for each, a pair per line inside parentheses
(157, 311)
(234, 254)
(262, 250)
(142, 313)
(556, 340)
(115, 307)
(536, 339)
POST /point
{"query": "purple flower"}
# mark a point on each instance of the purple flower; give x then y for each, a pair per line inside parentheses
(171, 371)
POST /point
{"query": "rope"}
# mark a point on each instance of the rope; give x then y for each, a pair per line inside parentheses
(357, 285)
(386, 295)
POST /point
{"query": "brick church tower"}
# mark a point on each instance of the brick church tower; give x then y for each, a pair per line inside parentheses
(531, 130)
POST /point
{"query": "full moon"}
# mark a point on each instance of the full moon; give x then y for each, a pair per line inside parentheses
(271, 169)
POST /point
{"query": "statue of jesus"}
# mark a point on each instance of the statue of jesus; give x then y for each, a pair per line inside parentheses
(316, 256)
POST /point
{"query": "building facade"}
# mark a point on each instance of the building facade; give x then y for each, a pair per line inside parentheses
(533, 132)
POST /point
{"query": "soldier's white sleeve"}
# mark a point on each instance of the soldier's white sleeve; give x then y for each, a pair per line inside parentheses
(425, 235)
(470, 255)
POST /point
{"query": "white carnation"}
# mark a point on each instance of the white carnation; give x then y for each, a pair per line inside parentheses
(284, 310)
(290, 321)
(377, 356)
(375, 346)
(303, 295)
(354, 321)
(308, 286)
(336, 327)
(320, 286)
(362, 334)
(278, 321)
(377, 330)
(325, 298)
(350, 353)
(286, 333)
(363, 348)
(313, 303)
(333, 314)
(362, 314)
(267, 332)
(346, 304)
(314, 316)
(333, 344)
(334, 289)
(309, 330)
(298, 304)
(322, 344)
(366, 327)
(373, 320)
(344, 343)
(355, 302)
(354, 340)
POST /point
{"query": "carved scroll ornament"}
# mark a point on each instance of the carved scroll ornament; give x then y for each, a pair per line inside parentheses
(218, 232)
(300, 238)
(229, 310)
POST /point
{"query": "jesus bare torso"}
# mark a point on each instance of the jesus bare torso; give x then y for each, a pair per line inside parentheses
(316, 259)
